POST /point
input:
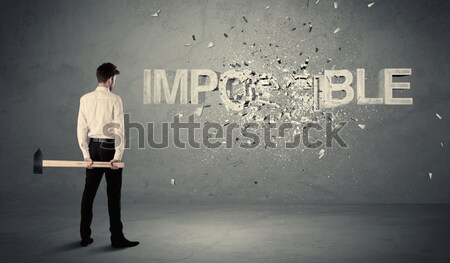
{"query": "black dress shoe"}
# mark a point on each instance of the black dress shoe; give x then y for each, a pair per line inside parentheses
(85, 242)
(123, 242)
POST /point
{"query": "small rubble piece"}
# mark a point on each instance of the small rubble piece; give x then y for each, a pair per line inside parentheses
(329, 60)
(264, 82)
(370, 4)
(335, 5)
(267, 7)
(310, 28)
(439, 116)
(362, 126)
(156, 14)
(317, 2)
(187, 44)
(430, 175)
(321, 153)
(210, 45)
(193, 37)
(245, 19)
(248, 142)
(442, 144)
(337, 30)
(172, 181)
(225, 35)
(235, 65)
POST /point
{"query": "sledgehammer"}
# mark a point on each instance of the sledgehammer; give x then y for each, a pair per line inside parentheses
(39, 162)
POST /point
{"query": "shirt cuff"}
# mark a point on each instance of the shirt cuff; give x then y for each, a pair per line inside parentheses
(86, 155)
(118, 155)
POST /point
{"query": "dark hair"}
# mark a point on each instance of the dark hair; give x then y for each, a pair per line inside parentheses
(105, 71)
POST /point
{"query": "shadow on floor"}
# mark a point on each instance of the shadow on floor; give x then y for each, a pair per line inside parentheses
(69, 246)
(108, 248)
(93, 248)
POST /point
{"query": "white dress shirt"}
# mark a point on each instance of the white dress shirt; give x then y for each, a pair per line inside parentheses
(99, 108)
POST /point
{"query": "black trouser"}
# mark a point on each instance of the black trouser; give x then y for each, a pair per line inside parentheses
(102, 151)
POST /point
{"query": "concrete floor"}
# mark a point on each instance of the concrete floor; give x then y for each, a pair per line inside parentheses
(231, 233)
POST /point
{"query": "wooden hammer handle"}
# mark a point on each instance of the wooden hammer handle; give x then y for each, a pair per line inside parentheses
(62, 163)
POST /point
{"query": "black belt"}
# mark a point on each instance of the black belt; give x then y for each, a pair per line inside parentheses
(101, 140)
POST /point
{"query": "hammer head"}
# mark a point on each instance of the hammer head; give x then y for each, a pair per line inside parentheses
(37, 162)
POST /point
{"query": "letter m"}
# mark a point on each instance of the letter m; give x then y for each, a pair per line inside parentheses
(160, 79)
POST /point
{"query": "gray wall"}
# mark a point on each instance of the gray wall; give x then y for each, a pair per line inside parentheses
(50, 50)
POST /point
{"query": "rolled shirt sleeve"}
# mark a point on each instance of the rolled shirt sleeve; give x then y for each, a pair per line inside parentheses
(119, 129)
(82, 130)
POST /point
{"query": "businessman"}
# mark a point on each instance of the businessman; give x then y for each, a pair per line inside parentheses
(100, 113)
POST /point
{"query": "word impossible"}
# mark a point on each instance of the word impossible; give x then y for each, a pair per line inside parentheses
(324, 87)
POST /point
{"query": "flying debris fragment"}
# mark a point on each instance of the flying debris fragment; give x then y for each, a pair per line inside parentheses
(187, 44)
(362, 126)
(321, 153)
(156, 14)
(245, 19)
(439, 116)
(442, 144)
(248, 142)
(335, 5)
(370, 4)
(267, 7)
(210, 45)
(337, 30)
(317, 2)
(430, 175)
(172, 181)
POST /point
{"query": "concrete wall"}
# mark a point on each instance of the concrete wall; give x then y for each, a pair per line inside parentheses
(50, 50)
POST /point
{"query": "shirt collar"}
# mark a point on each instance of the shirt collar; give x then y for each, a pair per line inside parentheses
(102, 88)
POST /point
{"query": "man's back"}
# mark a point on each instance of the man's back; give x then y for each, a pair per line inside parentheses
(100, 109)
